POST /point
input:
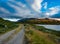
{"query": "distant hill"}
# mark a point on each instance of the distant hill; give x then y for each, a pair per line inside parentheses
(39, 21)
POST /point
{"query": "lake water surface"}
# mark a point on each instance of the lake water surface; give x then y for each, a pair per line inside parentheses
(54, 27)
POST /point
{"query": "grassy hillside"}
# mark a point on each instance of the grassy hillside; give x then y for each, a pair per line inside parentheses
(46, 30)
(39, 21)
(35, 36)
(6, 26)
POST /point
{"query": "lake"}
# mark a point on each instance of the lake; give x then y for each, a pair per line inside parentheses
(54, 27)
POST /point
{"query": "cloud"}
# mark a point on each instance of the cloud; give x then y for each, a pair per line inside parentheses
(11, 19)
(4, 10)
(35, 4)
(52, 11)
(24, 11)
(32, 8)
(45, 5)
(20, 4)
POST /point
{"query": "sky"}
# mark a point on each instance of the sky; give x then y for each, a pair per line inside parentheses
(30, 8)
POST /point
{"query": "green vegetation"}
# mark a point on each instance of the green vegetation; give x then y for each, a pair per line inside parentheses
(6, 26)
(34, 36)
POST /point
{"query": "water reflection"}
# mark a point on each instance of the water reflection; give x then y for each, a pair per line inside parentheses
(55, 27)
